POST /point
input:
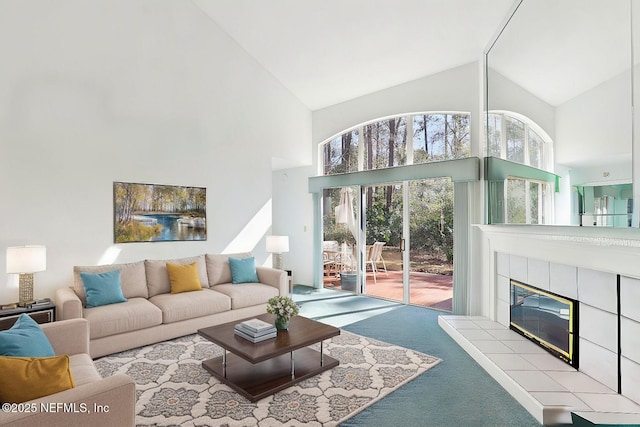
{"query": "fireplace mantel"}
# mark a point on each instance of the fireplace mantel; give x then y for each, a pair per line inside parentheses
(596, 236)
(613, 250)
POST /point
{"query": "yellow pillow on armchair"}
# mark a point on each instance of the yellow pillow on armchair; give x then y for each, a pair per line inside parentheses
(28, 378)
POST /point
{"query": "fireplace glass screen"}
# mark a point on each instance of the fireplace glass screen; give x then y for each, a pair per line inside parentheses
(547, 319)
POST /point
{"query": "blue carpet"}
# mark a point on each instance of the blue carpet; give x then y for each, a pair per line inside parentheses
(456, 392)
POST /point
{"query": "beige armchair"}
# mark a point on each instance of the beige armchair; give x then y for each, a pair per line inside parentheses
(95, 401)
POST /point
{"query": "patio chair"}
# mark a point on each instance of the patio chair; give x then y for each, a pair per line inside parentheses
(328, 259)
(338, 260)
(374, 256)
(331, 264)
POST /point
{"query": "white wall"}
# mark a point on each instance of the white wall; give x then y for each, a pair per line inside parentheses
(593, 130)
(456, 89)
(453, 90)
(293, 217)
(138, 91)
(505, 95)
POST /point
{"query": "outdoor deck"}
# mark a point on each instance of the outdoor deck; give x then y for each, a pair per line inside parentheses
(427, 289)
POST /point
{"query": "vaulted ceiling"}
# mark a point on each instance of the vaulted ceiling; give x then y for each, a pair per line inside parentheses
(329, 51)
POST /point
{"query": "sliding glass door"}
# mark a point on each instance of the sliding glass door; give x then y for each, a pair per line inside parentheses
(430, 243)
(340, 238)
(383, 210)
(409, 242)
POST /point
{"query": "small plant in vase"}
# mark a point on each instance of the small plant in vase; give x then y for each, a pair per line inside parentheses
(284, 308)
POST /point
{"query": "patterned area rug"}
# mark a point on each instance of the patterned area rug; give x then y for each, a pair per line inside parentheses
(174, 389)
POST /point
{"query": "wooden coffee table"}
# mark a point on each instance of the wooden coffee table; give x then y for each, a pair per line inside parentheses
(262, 369)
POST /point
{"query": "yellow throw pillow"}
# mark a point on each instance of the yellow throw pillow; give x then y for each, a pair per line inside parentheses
(183, 277)
(28, 378)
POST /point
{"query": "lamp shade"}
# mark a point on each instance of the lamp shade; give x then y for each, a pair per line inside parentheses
(277, 244)
(26, 259)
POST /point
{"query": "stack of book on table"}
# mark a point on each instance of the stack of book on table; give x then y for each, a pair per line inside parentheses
(256, 330)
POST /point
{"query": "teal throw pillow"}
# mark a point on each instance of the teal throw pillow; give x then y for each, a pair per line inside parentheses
(243, 270)
(102, 288)
(25, 339)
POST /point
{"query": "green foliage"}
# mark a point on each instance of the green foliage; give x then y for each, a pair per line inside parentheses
(338, 232)
(516, 201)
(134, 231)
(431, 218)
(384, 225)
(431, 221)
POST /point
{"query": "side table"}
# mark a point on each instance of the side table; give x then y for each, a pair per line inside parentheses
(41, 312)
(290, 281)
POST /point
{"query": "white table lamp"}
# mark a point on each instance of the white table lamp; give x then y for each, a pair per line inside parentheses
(26, 260)
(277, 245)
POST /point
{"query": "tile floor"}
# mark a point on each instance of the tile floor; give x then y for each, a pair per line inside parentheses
(546, 386)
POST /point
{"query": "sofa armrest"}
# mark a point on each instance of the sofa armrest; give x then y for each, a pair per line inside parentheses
(68, 304)
(109, 402)
(68, 336)
(274, 277)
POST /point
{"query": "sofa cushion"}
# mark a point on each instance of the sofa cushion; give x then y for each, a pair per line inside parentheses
(33, 377)
(183, 277)
(133, 279)
(25, 338)
(136, 313)
(247, 294)
(243, 270)
(158, 277)
(102, 288)
(189, 305)
(218, 268)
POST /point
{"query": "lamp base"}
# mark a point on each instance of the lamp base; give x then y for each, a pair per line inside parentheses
(25, 289)
(277, 261)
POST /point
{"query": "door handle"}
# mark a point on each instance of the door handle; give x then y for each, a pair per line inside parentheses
(402, 245)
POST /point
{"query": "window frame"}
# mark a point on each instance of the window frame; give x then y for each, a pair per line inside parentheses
(544, 140)
(323, 170)
(542, 208)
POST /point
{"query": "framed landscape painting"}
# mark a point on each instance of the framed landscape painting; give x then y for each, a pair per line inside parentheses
(158, 213)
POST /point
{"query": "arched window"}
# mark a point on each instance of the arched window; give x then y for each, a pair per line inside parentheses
(516, 138)
(397, 141)
(518, 197)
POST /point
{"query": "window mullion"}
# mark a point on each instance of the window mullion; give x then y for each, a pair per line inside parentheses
(409, 146)
(361, 148)
(527, 202)
(527, 158)
(540, 204)
(505, 191)
(503, 137)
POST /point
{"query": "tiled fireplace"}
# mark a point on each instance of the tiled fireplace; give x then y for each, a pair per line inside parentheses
(606, 385)
(609, 321)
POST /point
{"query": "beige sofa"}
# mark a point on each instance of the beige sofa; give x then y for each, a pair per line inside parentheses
(152, 314)
(117, 393)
